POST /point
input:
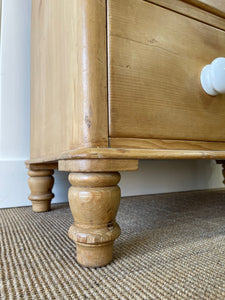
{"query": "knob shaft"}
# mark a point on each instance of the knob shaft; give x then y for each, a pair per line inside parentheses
(213, 77)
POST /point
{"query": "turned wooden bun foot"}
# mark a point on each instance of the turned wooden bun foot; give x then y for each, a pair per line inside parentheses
(94, 200)
(41, 183)
(41, 206)
(94, 256)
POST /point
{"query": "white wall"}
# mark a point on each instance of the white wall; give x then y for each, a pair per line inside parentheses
(152, 177)
(14, 101)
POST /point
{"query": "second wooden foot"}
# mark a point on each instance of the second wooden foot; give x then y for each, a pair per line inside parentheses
(41, 183)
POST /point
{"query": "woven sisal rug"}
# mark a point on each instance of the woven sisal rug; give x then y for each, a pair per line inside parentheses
(172, 247)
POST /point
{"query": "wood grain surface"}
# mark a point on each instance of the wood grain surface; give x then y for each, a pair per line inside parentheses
(98, 165)
(94, 200)
(130, 143)
(68, 76)
(125, 153)
(41, 183)
(216, 7)
(155, 60)
(209, 13)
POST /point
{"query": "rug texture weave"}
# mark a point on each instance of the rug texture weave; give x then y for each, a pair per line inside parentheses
(172, 247)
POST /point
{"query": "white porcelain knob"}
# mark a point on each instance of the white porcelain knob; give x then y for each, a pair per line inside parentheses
(213, 77)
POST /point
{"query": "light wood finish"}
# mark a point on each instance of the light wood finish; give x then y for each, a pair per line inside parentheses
(200, 12)
(41, 183)
(217, 7)
(130, 143)
(94, 200)
(155, 60)
(120, 74)
(125, 153)
(98, 165)
(68, 76)
(42, 166)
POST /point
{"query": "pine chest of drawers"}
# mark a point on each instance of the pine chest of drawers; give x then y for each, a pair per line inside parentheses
(113, 82)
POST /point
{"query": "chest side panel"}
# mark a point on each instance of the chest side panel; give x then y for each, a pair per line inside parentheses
(68, 76)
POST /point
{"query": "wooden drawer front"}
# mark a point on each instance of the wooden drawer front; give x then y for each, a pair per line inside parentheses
(216, 7)
(155, 60)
